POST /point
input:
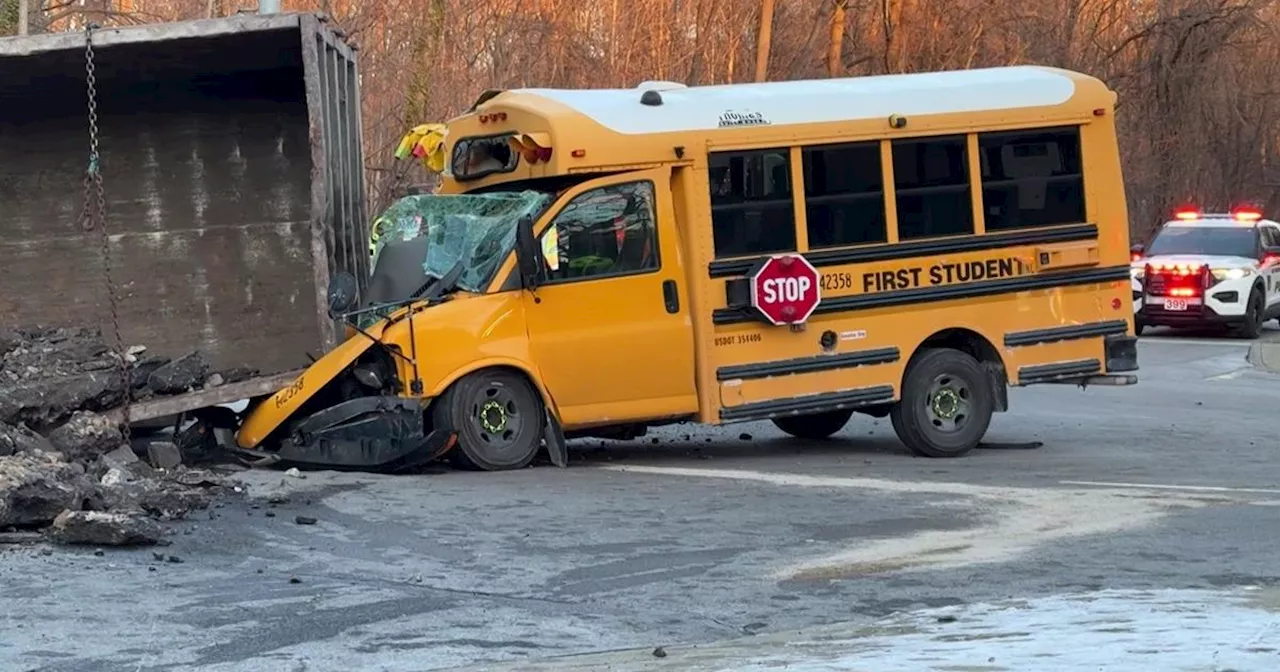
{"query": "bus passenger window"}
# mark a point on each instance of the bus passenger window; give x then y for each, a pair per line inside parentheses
(1032, 178)
(931, 178)
(751, 207)
(605, 232)
(844, 195)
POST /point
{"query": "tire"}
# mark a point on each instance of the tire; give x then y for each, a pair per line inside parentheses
(1253, 315)
(814, 427)
(956, 423)
(498, 417)
(1138, 328)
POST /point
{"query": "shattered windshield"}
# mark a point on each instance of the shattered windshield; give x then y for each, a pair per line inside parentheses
(422, 237)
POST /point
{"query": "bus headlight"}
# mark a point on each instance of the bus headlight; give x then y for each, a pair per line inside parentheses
(1221, 274)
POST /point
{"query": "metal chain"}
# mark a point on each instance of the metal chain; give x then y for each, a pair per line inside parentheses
(95, 204)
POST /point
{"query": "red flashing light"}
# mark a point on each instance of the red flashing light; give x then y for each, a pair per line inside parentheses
(1186, 214)
(1135, 256)
(1182, 291)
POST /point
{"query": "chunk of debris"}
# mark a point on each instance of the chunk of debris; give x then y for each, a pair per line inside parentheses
(214, 380)
(141, 370)
(182, 374)
(20, 439)
(163, 455)
(86, 436)
(659, 652)
(100, 528)
(293, 472)
(305, 520)
(20, 537)
(34, 489)
(744, 437)
(122, 458)
(238, 374)
(158, 497)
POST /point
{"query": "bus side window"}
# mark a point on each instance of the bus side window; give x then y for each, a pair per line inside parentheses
(931, 178)
(844, 195)
(751, 206)
(1032, 178)
(604, 232)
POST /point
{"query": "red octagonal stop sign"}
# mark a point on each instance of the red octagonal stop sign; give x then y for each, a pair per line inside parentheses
(784, 288)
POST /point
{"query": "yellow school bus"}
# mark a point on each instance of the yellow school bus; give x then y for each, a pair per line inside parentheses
(602, 261)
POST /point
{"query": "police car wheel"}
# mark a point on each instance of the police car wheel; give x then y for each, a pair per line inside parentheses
(946, 404)
(815, 426)
(1252, 325)
(498, 417)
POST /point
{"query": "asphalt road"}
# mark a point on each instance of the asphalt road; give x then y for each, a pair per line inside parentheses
(1160, 494)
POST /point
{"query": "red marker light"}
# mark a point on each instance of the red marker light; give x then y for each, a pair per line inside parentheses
(1115, 304)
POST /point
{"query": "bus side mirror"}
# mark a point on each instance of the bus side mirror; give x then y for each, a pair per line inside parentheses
(344, 294)
(527, 253)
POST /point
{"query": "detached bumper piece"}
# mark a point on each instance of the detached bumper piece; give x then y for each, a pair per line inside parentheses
(1121, 351)
(365, 433)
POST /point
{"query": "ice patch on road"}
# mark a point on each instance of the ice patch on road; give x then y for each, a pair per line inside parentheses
(1168, 630)
(1016, 520)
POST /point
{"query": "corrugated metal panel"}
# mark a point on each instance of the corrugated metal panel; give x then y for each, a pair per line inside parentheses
(231, 163)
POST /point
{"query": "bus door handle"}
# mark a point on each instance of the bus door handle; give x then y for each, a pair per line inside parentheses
(670, 297)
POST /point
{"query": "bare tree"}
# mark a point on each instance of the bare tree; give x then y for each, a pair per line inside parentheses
(764, 40)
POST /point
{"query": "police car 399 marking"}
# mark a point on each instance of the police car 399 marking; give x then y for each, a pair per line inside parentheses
(1206, 269)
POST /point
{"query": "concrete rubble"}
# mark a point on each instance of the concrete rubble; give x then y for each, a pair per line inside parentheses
(66, 471)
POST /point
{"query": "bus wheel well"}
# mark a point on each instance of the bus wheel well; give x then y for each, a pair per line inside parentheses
(514, 370)
(978, 347)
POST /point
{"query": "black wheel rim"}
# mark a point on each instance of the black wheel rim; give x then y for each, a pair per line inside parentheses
(948, 404)
(497, 418)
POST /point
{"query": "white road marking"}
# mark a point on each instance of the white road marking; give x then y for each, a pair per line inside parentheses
(1014, 520)
(1158, 486)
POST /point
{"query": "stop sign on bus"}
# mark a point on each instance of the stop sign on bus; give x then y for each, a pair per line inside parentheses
(784, 289)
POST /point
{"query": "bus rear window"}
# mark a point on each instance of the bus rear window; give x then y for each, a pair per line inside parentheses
(474, 158)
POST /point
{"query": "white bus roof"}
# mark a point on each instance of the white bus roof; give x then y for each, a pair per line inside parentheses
(818, 101)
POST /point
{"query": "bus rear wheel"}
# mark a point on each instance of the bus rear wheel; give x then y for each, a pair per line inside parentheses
(815, 426)
(946, 404)
(498, 417)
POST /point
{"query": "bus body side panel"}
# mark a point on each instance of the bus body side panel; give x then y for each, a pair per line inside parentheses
(688, 184)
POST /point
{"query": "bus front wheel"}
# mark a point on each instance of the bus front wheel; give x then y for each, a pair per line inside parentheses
(945, 406)
(815, 426)
(498, 417)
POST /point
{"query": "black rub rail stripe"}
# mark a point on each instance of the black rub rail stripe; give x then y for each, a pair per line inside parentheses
(1069, 333)
(810, 403)
(1047, 372)
(725, 268)
(969, 290)
(813, 364)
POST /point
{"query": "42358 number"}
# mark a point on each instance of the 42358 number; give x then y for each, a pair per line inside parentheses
(831, 282)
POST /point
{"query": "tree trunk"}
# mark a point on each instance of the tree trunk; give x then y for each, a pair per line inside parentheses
(835, 47)
(24, 17)
(763, 40)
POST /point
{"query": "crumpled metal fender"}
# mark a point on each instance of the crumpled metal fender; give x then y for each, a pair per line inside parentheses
(281, 406)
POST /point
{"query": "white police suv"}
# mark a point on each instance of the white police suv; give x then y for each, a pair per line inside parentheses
(1205, 269)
